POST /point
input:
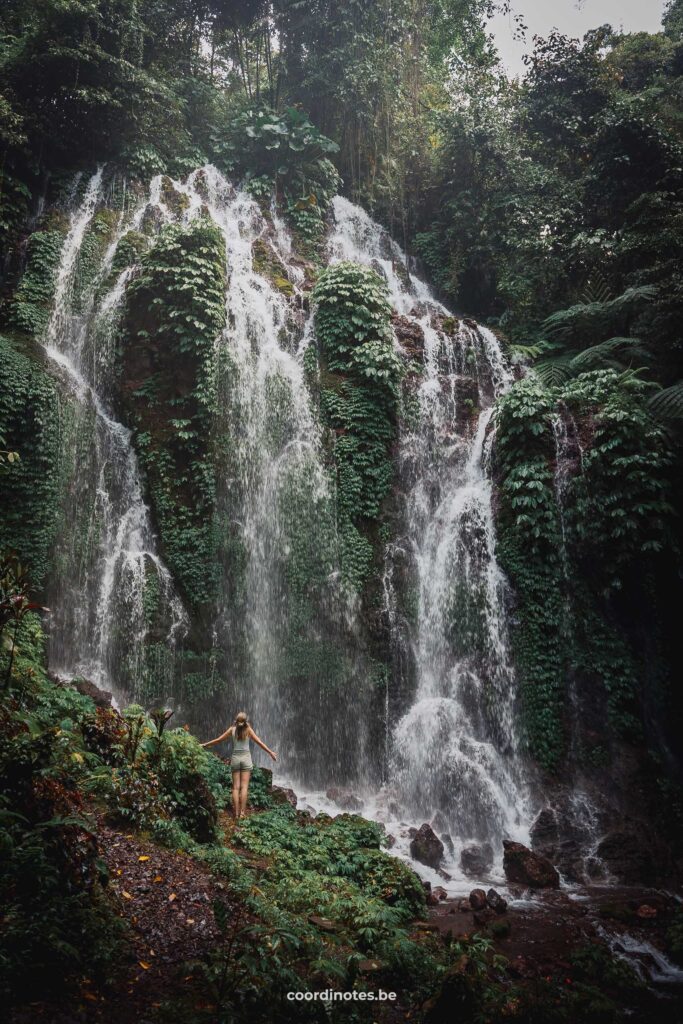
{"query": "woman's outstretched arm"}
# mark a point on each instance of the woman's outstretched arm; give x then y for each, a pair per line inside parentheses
(211, 743)
(259, 743)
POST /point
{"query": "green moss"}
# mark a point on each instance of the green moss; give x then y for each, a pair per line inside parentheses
(359, 400)
(175, 311)
(29, 425)
(30, 308)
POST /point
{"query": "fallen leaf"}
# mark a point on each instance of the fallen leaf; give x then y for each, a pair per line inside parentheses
(158, 878)
(119, 871)
(143, 858)
(172, 897)
(126, 894)
(90, 996)
(190, 920)
(145, 966)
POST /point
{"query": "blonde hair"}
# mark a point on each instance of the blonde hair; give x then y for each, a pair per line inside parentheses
(241, 724)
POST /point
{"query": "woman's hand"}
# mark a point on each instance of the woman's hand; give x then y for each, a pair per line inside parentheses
(273, 755)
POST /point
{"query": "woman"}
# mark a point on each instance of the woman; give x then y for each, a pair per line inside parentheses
(240, 762)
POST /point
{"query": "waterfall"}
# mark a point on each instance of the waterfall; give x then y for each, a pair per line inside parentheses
(454, 752)
(287, 637)
(105, 554)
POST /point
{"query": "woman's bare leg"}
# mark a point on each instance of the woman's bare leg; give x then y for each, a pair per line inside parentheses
(244, 791)
(236, 794)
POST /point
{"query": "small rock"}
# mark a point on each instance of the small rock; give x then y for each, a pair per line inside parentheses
(496, 901)
(440, 893)
(477, 899)
(323, 923)
(464, 906)
(476, 860)
(443, 874)
(527, 868)
(390, 840)
(426, 847)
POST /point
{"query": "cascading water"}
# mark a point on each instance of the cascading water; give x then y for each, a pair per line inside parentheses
(105, 555)
(453, 755)
(287, 625)
(287, 629)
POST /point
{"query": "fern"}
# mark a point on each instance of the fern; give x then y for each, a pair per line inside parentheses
(595, 318)
(554, 372)
(668, 403)
(610, 353)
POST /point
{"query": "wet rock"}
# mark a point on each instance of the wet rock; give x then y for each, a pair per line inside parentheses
(409, 334)
(523, 866)
(100, 698)
(432, 899)
(344, 799)
(443, 874)
(477, 899)
(426, 847)
(496, 901)
(390, 840)
(464, 906)
(476, 860)
(627, 857)
(440, 893)
(427, 886)
(281, 795)
(448, 843)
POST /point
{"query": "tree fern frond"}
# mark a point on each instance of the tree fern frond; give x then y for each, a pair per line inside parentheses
(612, 352)
(596, 289)
(668, 403)
(591, 319)
(553, 372)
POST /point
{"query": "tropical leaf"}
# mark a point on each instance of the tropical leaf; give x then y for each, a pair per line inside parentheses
(591, 319)
(614, 352)
(553, 372)
(668, 403)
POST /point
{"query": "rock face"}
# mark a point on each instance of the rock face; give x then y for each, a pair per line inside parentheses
(344, 799)
(426, 846)
(527, 868)
(476, 861)
(627, 857)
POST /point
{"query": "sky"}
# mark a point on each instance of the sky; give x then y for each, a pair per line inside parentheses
(573, 17)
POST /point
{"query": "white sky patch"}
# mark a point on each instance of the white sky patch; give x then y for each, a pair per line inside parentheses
(574, 18)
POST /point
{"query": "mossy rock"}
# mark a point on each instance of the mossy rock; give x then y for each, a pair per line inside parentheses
(177, 202)
(266, 263)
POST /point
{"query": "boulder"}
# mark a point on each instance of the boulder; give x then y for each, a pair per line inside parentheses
(496, 901)
(440, 893)
(344, 799)
(100, 698)
(523, 866)
(281, 795)
(476, 860)
(477, 899)
(426, 846)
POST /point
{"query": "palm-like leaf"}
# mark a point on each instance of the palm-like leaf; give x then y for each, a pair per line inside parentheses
(668, 403)
(614, 352)
(591, 319)
(553, 372)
